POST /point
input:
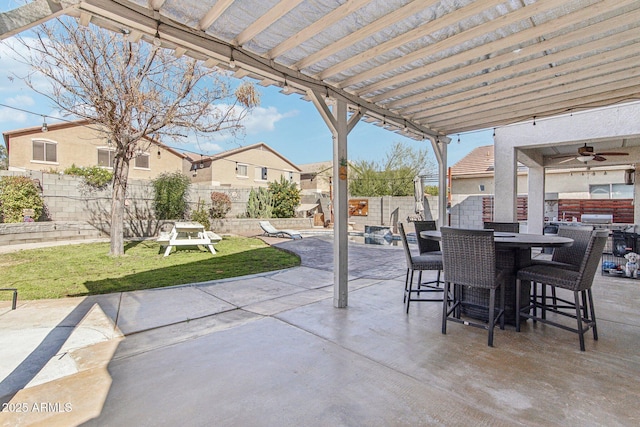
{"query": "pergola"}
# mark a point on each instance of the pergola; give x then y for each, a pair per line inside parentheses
(424, 68)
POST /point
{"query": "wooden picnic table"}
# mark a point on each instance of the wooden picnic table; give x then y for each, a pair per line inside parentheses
(189, 234)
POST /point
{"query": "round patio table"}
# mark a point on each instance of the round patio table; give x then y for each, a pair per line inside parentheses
(513, 251)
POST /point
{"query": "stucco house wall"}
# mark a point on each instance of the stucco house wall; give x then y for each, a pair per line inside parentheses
(77, 143)
(243, 167)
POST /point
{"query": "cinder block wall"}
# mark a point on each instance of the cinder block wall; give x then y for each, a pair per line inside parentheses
(466, 211)
(70, 202)
(33, 232)
(251, 227)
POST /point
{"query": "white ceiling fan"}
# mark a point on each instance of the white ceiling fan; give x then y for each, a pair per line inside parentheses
(587, 153)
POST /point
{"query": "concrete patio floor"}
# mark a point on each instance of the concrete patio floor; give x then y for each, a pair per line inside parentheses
(271, 350)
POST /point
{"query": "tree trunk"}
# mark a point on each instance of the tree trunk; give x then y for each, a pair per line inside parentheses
(120, 178)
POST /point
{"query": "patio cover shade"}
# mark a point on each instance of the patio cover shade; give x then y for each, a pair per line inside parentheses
(426, 68)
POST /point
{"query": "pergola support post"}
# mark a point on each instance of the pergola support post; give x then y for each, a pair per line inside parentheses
(535, 218)
(440, 150)
(340, 126)
(340, 209)
(636, 195)
(505, 190)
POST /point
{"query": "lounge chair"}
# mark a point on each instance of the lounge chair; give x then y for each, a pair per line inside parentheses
(271, 231)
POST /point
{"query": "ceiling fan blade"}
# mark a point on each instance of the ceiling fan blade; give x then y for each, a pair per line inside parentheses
(563, 156)
(612, 153)
(598, 158)
(572, 158)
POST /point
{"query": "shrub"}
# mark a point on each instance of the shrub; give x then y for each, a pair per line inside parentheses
(431, 190)
(200, 215)
(171, 198)
(94, 176)
(286, 196)
(260, 204)
(220, 205)
(18, 193)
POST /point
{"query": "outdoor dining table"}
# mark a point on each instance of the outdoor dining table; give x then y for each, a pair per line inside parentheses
(513, 251)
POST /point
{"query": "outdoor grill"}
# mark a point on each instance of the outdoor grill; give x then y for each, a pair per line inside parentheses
(597, 219)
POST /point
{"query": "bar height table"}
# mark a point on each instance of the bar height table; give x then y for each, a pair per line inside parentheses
(513, 251)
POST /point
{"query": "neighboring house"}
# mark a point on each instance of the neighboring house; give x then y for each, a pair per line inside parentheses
(251, 166)
(82, 144)
(474, 175)
(315, 178)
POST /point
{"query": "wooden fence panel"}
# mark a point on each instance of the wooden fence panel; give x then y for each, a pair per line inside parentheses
(488, 208)
(621, 209)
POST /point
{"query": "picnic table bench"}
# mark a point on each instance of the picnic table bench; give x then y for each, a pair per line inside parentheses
(188, 234)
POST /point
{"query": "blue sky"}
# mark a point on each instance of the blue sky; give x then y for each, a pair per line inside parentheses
(287, 123)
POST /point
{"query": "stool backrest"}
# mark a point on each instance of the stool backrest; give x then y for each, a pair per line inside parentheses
(469, 257)
(575, 253)
(426, 245)
(591, 259)
(405, 245)
(506, 227)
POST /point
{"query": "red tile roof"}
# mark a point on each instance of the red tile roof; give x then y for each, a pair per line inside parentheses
(479, 161)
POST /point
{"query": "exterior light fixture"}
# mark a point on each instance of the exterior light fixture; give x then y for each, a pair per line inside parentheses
(232, 62)
(286, 89)
(45, 128)
(156, 39)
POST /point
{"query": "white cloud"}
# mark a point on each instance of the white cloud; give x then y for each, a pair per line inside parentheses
(264, 119)
(20, 101)
(13, 69)
(260, 120)
(210, 147)
(11, 115)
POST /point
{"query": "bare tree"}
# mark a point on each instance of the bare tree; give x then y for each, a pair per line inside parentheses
(133, 91)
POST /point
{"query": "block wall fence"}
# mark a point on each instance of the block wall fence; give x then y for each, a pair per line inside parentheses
(74, 210)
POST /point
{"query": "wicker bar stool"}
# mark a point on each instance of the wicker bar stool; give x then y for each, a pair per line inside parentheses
(469, 259)
(579, 282)
(428, 261)
(427, 246)
(568, 257)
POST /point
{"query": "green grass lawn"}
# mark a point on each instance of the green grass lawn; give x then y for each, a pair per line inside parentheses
(87, 269)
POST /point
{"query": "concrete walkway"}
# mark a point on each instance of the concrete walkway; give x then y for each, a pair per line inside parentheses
(271, 350)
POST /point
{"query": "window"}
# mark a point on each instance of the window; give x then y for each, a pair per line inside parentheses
(142, 161)
(242, 170)
(621, 191)
(45, 151)
(261, 174)
(106, 157)
(611, 191)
